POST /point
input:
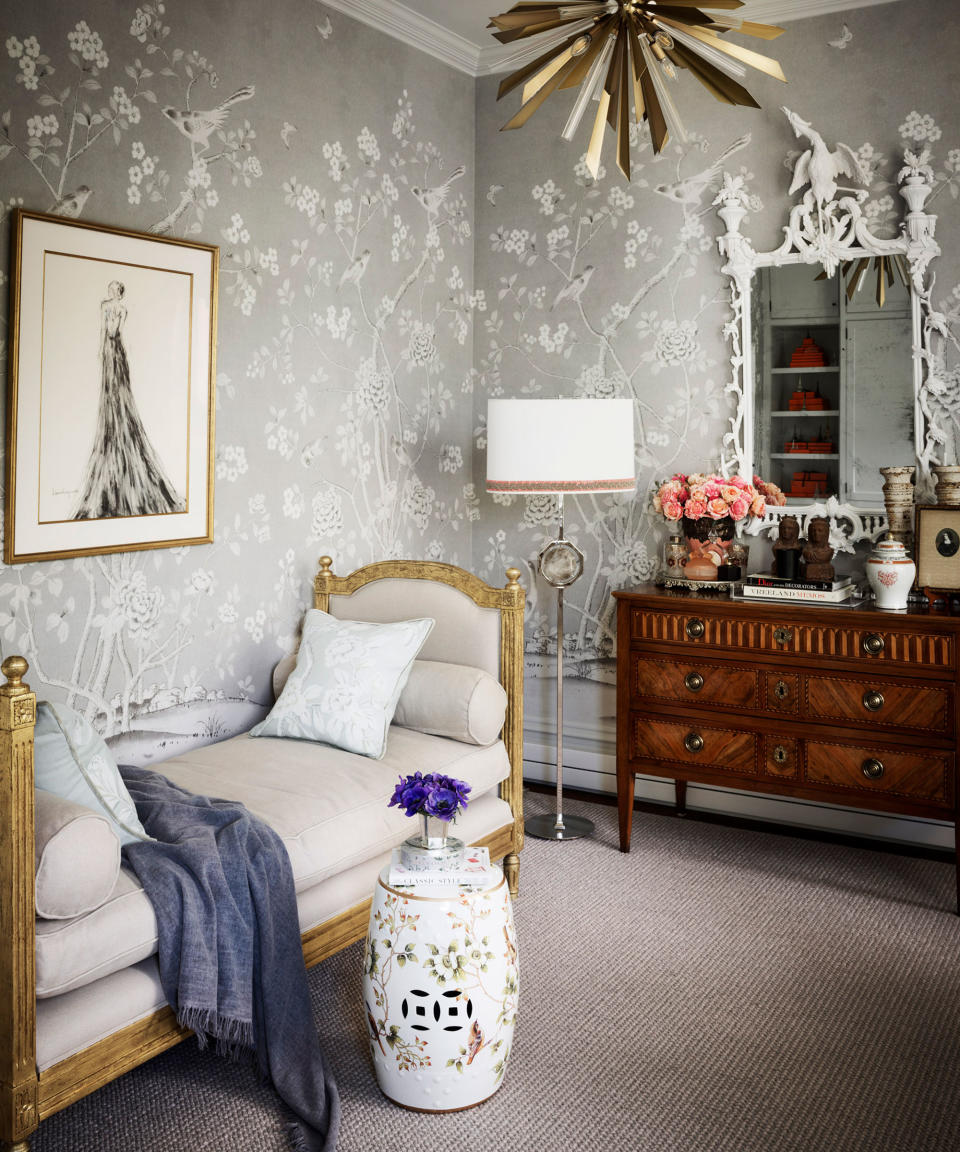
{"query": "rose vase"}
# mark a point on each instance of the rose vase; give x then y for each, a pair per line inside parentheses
(706, 554)
(701, 528)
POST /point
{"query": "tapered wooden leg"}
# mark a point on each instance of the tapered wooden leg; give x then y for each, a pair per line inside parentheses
(680, 791)
(625, 789)
(511, 869)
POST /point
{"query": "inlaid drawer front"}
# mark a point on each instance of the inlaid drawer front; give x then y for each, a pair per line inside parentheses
(693, 682)
(696, 628)
(698, 745)
(879, 702)
(912, 775)
(781, 693)
(780, 757)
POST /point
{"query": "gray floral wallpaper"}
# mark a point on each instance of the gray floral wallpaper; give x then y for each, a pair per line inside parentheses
(613, 289)
(335, 169)
(369, 307)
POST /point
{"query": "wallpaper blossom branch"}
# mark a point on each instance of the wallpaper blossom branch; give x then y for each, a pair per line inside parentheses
(370, 306)
(345, 327)
(609, 288)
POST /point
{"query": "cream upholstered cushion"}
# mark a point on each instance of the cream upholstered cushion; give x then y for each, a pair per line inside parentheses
(281, 673)
(67, 1024)
(452, 700)
(464, 633)
(77, 856)
(121, 931)
(345, 686)
(330, 806)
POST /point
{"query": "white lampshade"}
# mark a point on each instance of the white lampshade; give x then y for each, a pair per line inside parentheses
(560, 446)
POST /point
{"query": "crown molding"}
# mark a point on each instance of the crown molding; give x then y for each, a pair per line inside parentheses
(783, 11)
(402, 23)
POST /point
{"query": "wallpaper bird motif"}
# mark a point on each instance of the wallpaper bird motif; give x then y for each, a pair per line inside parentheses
(345, 320)
(608, 289)
(358, 344)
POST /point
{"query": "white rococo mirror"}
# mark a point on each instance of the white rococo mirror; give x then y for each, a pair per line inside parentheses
(828, 228)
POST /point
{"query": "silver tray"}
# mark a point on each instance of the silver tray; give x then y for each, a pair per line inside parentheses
(697, 585)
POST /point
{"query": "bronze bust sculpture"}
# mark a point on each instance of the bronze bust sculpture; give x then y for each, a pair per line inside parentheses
(817, 553)
(787, 549)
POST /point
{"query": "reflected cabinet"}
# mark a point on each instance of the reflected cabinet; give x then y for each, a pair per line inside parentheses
(834, 383)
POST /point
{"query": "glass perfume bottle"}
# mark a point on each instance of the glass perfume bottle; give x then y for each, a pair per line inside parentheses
(674, 558)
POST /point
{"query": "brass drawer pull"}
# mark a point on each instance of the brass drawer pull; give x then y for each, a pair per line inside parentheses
(693, 742)
(872, 769)
(695, 628)
(873, 644)
(693, 681)
(780, 754)
(782, 690)
(783, 635)
(873, 701)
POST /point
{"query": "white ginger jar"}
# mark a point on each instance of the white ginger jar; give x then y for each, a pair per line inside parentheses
(890, 572)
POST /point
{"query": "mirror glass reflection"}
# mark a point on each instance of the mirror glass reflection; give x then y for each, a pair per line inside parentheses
(834, 397)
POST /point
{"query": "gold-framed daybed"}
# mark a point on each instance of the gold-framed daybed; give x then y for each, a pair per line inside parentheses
(476, 624)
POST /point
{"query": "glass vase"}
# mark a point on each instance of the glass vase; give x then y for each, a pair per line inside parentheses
(431, 849)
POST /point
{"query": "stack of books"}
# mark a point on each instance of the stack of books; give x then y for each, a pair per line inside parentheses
(474, 871)
(762, 587)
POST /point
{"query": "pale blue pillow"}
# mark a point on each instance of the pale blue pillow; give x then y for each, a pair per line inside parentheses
(347, 681)
(71, 760)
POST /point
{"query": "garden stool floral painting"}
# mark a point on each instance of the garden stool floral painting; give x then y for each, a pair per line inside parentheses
(110, 429)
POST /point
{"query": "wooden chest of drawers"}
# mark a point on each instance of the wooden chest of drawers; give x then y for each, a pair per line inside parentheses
(848, 706)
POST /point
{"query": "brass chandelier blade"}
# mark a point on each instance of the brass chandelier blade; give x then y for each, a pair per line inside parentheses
(651, 42)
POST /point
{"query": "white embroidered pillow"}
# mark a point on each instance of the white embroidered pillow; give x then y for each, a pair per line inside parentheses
(72, 761)
(346, 684)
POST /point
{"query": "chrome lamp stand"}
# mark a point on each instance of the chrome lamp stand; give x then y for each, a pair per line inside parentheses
(561, 564)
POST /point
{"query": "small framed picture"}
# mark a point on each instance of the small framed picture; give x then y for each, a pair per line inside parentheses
(937, 547)
(111, 390)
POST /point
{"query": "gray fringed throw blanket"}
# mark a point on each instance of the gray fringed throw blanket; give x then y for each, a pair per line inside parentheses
(231, 963)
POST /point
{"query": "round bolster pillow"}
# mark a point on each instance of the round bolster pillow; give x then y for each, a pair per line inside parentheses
(77, 855)
(452, 700)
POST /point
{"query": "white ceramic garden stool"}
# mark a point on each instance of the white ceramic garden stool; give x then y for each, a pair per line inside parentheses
(440, 988)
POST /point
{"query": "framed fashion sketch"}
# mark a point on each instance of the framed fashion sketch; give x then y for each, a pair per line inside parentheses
(111, 390)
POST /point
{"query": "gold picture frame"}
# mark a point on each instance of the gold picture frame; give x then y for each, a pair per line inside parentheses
(937, 547)
(111, 390)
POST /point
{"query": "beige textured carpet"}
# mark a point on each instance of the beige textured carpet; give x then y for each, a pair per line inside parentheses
(717, 989)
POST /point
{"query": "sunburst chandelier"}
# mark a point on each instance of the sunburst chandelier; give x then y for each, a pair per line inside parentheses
(627, 52)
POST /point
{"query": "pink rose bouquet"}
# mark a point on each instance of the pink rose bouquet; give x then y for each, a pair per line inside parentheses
(697, 494)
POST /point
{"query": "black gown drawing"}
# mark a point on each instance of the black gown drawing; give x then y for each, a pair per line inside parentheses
(124, 476)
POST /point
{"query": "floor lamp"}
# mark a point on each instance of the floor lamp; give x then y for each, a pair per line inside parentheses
(556, 447)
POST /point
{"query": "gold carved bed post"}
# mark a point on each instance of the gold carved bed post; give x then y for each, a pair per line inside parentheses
(509, 602)
(18, 1059)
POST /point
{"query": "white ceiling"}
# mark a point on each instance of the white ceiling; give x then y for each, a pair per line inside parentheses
(455, 30)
